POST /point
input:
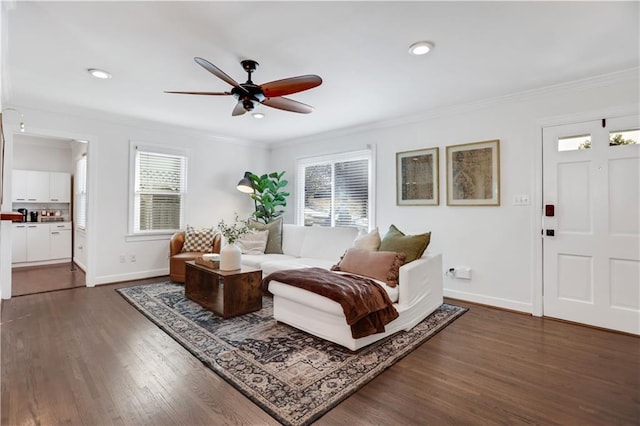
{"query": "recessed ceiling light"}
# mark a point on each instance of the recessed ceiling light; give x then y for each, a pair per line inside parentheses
(420, 48)
(258, 115)
(98, 73)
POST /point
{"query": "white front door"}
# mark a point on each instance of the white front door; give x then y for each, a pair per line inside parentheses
(591, 219)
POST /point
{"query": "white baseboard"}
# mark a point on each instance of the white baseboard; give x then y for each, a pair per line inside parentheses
(41, 263)
(491, 301)
(80, 265)
(139, 275)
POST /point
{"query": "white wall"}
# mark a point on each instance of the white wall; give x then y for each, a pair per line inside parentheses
(214, 168)
(498, 243)
(45, 154)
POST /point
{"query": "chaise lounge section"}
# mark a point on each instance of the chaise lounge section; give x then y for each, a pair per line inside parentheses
(418, 293)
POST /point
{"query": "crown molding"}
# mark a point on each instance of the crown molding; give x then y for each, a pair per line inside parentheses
(141, 124)
(631, 75)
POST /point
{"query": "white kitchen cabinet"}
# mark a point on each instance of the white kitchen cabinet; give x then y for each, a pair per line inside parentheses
(59, 240)
(33, 186)
(19, 243)
(37, 242)
(37, 186)
(59, 187)
(19, 185)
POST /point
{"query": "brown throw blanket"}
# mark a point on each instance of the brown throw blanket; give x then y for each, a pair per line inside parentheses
(366, 305)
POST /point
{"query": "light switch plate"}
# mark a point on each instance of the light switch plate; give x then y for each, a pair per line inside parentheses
(521, 200)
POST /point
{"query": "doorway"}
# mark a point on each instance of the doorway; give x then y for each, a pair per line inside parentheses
(591, 225)
(47, 253)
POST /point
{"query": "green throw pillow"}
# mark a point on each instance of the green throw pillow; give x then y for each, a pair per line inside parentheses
(274, 242)
(411, 245)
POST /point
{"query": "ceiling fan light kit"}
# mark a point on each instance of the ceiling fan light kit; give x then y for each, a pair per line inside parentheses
(270, 94)
(421, 48)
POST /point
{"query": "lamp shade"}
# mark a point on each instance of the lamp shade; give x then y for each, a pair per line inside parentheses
(245, 185)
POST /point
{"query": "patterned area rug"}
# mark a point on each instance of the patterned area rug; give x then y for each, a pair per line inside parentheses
(293, 376)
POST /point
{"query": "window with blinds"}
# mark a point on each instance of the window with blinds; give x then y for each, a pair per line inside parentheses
(336, 190)
(159, 188)
(80, 191)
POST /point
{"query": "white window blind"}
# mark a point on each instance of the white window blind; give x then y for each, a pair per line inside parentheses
(336, 190)
(80, 190)
(160, 185)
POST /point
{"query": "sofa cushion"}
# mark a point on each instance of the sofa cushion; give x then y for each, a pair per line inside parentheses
(327, 243)
(274, 243)
(294, 263)
(411, 245)
(370, 241)
(292, 239)
(253, 243)
(257, 260)
(380, 265)
(200, 240)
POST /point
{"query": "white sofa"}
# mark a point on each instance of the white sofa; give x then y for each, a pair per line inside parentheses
(418, 294)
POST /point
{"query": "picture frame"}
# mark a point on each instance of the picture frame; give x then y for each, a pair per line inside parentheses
(417, 177)
(473, 174)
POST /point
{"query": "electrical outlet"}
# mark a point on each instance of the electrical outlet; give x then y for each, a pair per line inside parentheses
(132, 258)
(463, 273)
(122, 258)
(460, 272)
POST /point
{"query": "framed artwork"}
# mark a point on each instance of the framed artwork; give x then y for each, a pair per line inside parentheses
(417, 178)
(473, 174)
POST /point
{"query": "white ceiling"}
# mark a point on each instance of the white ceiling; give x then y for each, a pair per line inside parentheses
(483, 50)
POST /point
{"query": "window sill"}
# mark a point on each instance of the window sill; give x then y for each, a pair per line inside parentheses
(149, 237)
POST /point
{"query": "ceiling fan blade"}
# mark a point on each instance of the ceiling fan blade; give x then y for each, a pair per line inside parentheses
(239, 109)
(291, 85)
(200, 93)
(215, 71)
(288, 105)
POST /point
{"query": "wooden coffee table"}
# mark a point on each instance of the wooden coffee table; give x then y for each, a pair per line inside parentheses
(225, 293)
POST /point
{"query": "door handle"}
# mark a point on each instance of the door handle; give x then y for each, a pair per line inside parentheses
(550, 233)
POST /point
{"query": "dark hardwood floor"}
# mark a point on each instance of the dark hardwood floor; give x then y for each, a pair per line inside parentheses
(85, 356)
(38, 279)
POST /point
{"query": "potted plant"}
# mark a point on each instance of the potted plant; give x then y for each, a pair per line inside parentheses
(269, 196)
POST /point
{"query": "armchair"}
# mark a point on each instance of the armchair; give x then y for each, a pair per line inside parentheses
(177, 258)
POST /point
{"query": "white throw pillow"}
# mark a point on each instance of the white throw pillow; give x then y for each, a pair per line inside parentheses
(253, 243)
(369, 242)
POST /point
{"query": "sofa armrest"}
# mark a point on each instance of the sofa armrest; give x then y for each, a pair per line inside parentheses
(420, 278)
(176, 243)
(217, 243)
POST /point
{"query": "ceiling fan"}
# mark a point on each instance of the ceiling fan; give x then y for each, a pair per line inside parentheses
(269, 94)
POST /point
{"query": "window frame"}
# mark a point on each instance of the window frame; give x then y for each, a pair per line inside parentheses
(134, 147)
(80, 193)
(363, 154)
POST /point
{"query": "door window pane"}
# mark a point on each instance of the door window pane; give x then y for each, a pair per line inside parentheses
(572, 143)
(624, 137)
